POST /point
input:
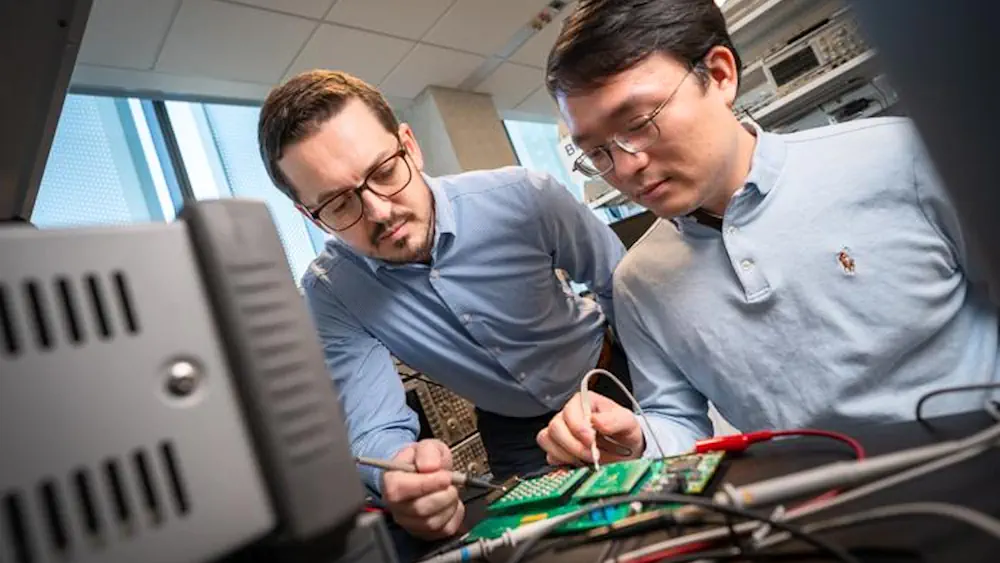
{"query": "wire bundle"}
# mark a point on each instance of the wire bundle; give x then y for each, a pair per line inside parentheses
(759, 531)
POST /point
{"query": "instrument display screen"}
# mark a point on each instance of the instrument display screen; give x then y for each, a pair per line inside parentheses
(794, 66)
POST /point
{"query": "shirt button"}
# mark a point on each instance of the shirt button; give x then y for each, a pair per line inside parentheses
(730, 230)
(522, 376)
(496, 350)
(747, 265)
(435, 274)
(548, 397)
(466, 318)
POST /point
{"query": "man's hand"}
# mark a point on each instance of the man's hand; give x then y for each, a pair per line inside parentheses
(568, 437)
(425, 503)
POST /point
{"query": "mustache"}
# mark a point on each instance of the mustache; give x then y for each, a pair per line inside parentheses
(382, 228)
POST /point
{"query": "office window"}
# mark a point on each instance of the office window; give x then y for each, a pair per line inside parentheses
(218, 144)
(100, 170)
(536, 145)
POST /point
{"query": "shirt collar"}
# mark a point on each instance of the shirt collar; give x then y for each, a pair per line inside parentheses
(767, 162)
(444, 227)
(765, 169)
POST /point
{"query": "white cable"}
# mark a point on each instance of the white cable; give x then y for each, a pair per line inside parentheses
(887, 482)
(876, 486)
(843, 474)
(974, 518)
(636, 409)
(993, 408)
(483, 547)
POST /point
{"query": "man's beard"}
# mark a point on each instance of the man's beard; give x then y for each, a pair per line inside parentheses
(420, 254)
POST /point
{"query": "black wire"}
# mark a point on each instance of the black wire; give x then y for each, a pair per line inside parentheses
(662, 498)
(734, 538)
(945, 390)
(730, 554)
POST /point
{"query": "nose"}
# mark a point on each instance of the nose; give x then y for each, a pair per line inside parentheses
(628, 165)
(376, 208)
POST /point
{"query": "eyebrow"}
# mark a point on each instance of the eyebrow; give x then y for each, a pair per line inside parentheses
(329, 195)
(626, 106)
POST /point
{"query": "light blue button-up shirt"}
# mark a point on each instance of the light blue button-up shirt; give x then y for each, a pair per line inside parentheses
(487, 317)
(841, 287)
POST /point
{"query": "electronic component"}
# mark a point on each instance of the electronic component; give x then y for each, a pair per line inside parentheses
(664, 483)
(443, 414)
(689, 474)
(696, 469)
(828, 45)
(469, 456)
(548, 487)
(613, 479)
(125, 469)
(454, 418)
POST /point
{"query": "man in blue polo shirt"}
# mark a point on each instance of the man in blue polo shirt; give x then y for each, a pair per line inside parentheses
(793, 279)
(455, 276)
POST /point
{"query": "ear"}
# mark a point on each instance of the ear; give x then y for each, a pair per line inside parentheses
(410, 144)
(722, 72)
(302, 209)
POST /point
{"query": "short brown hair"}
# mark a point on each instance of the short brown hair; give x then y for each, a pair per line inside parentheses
(297, 109)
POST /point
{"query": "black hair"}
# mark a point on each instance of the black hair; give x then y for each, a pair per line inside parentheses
(602, 38)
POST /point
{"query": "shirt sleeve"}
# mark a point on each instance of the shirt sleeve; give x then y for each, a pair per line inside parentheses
(676, 413)
(940, 211)
(379, 422)
(579, 242)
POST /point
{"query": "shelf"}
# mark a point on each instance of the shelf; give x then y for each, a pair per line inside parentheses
(612, 197)
(762, 19)
(861, 66)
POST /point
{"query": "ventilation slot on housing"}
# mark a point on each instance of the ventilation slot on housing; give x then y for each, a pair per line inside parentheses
(39, 315)
(87, 503)
(126, 303)
(71, 313)
(55, 516)
(178, 488)
(11, 341)
(98, 306)
(15, 529)
(147, 487)
(119, 496)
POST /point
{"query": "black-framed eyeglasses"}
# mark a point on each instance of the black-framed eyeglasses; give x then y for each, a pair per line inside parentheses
(344, 210)
(639, 137)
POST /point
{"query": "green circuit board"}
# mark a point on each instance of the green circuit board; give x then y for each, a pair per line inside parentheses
(613, 479)
(548, 487)
(688, 474)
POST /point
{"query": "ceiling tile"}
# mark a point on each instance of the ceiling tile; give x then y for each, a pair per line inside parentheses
(539, 103)
(232, 42)
(126, 33)
(510, 84)
(403, 18)
(309, 8)
(483, 26)
(535, 51)
(368, 56)
(428, 65)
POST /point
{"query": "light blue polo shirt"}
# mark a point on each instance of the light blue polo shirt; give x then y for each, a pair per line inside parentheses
(839, 288)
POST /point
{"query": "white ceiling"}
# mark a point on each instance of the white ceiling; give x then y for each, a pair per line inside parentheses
(240, 49)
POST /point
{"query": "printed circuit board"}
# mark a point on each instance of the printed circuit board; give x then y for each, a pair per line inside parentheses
(566, 489)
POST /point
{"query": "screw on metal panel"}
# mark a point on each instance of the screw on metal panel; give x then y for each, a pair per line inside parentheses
(182, 378)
